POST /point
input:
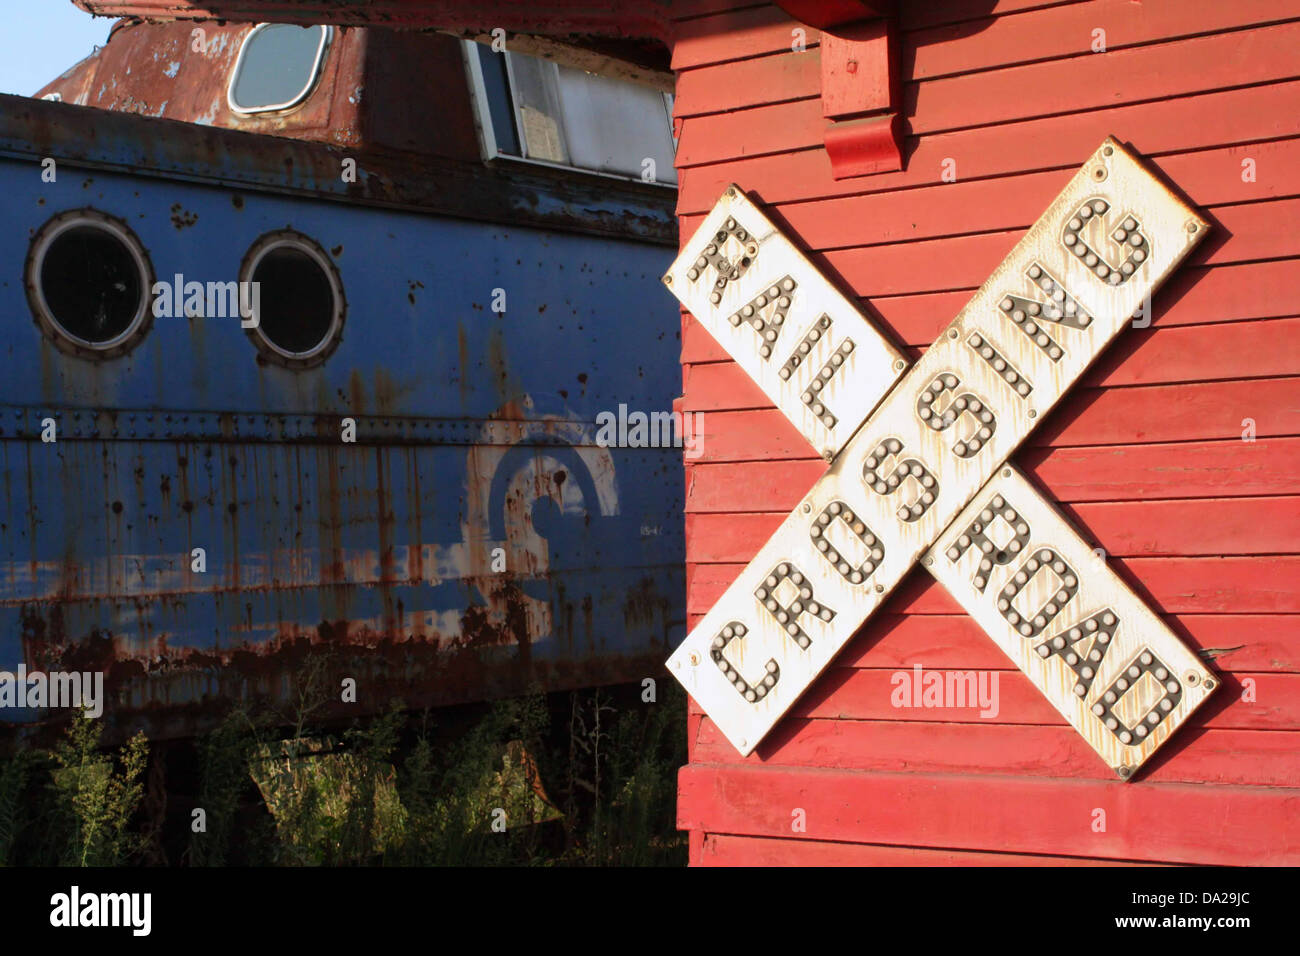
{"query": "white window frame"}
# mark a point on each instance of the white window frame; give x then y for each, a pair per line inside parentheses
(305, 244)
(322, 48)
(63, 337)
(482, 109)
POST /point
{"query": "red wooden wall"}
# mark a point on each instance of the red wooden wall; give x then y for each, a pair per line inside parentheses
(1146, 454)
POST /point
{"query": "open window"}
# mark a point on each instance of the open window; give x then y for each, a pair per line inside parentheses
(534, 109)
(278, 67)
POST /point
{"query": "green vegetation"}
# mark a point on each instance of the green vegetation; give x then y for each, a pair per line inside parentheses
(581, 778)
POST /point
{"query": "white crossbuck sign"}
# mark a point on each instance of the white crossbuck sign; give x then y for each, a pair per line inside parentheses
(918, 464)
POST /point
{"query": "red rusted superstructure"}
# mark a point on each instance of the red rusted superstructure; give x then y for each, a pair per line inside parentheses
(1178, 453)
(181, 71)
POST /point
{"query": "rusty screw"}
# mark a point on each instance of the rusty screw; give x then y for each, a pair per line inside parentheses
(694, 658)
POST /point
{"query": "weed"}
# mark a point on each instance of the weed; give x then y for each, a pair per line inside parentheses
(96, 796)
(224, 756)
(584, 778)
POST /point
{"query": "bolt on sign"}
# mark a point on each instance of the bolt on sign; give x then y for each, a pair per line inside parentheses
(921, 474)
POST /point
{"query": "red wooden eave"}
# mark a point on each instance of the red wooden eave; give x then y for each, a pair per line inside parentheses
(650, 19)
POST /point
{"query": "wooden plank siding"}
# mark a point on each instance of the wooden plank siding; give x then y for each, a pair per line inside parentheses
(1146, 455)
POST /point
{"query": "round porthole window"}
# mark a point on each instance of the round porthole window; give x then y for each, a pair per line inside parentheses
(88, 282)
(297, 299)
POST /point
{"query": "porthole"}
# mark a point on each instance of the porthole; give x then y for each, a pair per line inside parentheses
(88, 281)
(299, 301)
(277, 68)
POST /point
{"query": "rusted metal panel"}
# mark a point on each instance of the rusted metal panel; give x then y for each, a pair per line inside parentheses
(1104, 659)
(627, 41)
(32, 130)
(956, 416)
(182, 70)
(410, 150)
(803, 341)
(363, 100)
(378, 558)
(476, 430)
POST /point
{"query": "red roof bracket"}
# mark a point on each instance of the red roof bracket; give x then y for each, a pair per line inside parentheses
(860, 94)
(825, 14)
(864, 146)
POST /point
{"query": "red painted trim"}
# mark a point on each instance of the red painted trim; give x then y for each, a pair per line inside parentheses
(723, 849)
(1182, 823)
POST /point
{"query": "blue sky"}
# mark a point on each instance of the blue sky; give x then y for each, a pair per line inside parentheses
(39, 39)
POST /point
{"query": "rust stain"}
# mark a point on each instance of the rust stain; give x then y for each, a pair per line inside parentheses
(498, 362)
(389, 393)
(385, 519)
(182, 218)
(357, 393)
(180, 691)
(415, 534)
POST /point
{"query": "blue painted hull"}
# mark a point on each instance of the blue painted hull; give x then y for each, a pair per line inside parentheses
(475, 445)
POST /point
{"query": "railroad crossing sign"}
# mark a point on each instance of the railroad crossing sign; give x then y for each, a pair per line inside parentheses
(918, 464)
